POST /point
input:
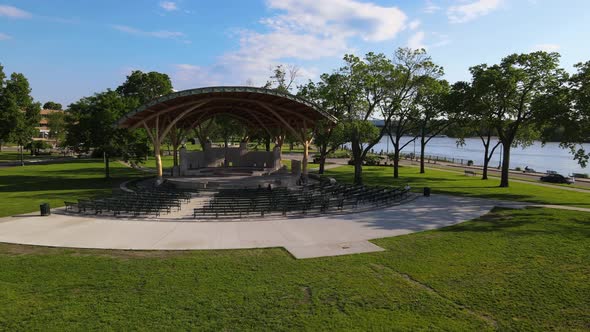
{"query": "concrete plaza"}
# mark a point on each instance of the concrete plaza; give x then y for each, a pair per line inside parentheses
(326, 235)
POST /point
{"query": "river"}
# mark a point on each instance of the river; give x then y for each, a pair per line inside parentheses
(538, 156)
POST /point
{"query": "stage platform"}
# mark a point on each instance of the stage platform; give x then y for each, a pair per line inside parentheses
(216, 178)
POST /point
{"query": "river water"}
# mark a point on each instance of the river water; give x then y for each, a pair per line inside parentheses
(539, 157)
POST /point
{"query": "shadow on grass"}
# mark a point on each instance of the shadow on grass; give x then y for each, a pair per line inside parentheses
(531, 221)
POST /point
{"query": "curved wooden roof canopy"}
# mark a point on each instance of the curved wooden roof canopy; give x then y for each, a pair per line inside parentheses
(256, 107)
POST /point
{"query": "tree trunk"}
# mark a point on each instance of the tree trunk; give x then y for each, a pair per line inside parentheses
(358, 171)
(422, 148)
(22, 158)
(175, 154)
(486, 161)
(322, 164)
(505, 164)
(290, 146)
(396, 163)
(107, 171)
(267, 143)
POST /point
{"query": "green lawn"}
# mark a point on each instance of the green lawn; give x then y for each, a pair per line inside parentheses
(12, 156)
(459, 184)
(510, 270)
(22, 189)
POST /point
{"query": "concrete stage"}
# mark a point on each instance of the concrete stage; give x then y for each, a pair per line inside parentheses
(233, 177)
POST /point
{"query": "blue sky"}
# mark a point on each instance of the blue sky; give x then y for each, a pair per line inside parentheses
(71, 49)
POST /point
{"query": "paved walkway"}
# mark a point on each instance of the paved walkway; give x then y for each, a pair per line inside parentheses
(327, 235)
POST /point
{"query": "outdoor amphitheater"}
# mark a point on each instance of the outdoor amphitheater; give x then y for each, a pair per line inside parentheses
(227, 197)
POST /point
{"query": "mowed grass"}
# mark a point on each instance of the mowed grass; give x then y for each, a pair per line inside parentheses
(23, 188)
(509, 270)
(12, 156)
(445, 182)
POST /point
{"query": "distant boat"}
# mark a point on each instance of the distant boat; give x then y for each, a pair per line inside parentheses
(441, 136)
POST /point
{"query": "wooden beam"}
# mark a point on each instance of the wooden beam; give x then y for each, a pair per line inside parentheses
(280, 118)
(178, 118)
(158, 113)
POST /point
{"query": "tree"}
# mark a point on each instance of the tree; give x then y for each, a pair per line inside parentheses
(9, 111)
(413, 69)
(140, 88)
(327, 135)
(204, 130)
(435, 115)
(143, 87)
(7, 107)
(476, 120)
(283, 78)
(20, 110)
(56, 121)
(570, 107)
(90, 126)
(25, 127)
(50, 105)
(362, 92)
(514, 85)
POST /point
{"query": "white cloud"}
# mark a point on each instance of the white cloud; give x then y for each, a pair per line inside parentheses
(442, 40)
(431, 7)
(13, 12)
(190, 76)
(4, 36)
(165, 34)
(300, 32)
(546, 47)
(472, 10)
(414, 24)
(169, 6)
(347, 17)
(416, 41)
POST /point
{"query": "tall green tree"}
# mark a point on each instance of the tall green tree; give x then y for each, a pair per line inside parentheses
(20, 109)
(50, 105)
(56, 121)
(435, 113)
(569, 107)
(580, 86)
(412, 70)
(476, 120)
(327, 136)
(283, 78)
(90, 126)
(5, 110)
(514, 85)
(362, 93)
(139, 88)
(143, 87)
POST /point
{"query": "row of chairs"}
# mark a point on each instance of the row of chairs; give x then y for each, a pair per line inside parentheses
(321, 197)
(152, 201)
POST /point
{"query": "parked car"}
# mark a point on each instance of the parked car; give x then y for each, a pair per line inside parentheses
(529, 170)
(557, 178)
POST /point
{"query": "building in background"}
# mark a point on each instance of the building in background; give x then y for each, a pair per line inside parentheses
(44, 130)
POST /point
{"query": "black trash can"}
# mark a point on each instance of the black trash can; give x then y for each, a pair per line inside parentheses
(45, 210)
(427, 191)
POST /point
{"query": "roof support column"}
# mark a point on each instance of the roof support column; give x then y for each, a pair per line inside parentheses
(306, 142)
(156, 142)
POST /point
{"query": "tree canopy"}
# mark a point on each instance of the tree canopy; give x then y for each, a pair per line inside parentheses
(50, 105)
